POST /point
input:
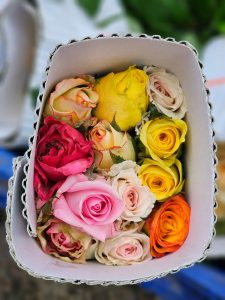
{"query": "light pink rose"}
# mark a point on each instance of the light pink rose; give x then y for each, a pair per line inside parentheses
(138, 199)
(92, 206)
(125, 249)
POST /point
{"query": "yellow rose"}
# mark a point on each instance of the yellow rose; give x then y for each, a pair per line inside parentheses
(123, 97)
(163, 137)
(107, 142)
(164, 181)
(72, 101)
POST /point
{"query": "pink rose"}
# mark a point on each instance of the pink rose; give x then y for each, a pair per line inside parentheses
(92, 206)
(61, 151)
(64, 241)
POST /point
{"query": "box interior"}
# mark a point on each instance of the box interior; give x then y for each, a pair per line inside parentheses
(114, 54)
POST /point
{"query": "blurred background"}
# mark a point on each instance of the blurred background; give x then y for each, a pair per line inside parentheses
(29, 31)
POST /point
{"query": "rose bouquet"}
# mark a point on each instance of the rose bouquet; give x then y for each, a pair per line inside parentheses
(108, 168)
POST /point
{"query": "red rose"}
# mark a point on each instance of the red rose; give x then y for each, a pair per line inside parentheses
(44, 188)
(61, 151)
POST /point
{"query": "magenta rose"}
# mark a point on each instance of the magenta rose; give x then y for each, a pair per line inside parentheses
(61, 151)
(91, 206)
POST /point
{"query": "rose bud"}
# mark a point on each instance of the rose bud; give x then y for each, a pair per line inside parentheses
(108, 142)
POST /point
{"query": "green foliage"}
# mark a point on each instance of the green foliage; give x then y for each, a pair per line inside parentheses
(220, 227)
(91, 7)
(116, 158)
(195, 21)
(34, 92)
(153, 112)
(115, 125)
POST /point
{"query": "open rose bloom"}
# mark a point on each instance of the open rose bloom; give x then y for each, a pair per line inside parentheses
(119, 176)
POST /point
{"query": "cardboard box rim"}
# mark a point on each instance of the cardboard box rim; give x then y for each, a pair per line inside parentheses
(31, 141)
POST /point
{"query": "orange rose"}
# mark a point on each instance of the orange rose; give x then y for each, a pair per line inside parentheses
(168, 226)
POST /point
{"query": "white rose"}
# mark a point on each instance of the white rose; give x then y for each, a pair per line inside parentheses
(127, 248)
(165, 92)
(138, 199)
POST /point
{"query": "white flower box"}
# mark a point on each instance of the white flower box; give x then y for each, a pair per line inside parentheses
(104, 54)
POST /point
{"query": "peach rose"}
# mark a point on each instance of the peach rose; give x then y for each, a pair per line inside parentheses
(109, 143)
(72, 100)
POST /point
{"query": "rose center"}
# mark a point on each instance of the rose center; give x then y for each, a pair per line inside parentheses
(100, 133)
(161, 89)
(162, 137)
(131, 198)
(96, 209)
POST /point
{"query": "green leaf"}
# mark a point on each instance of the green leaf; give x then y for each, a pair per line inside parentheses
(91, 173)
(91, 7)
(116, 158)
(153, 112)
(220, 227)
(34, 92)
(134, 24)
(115, 125)
(109, 20)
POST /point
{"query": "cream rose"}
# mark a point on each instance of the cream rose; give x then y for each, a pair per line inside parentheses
(138, 199)
(109, 143)
(128, 248)
(165, 92)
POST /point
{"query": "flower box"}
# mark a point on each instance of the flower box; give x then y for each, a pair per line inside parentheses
(115, 53)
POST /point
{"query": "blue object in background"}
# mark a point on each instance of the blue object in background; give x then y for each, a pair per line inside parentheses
(6, 158)
(200, 282)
